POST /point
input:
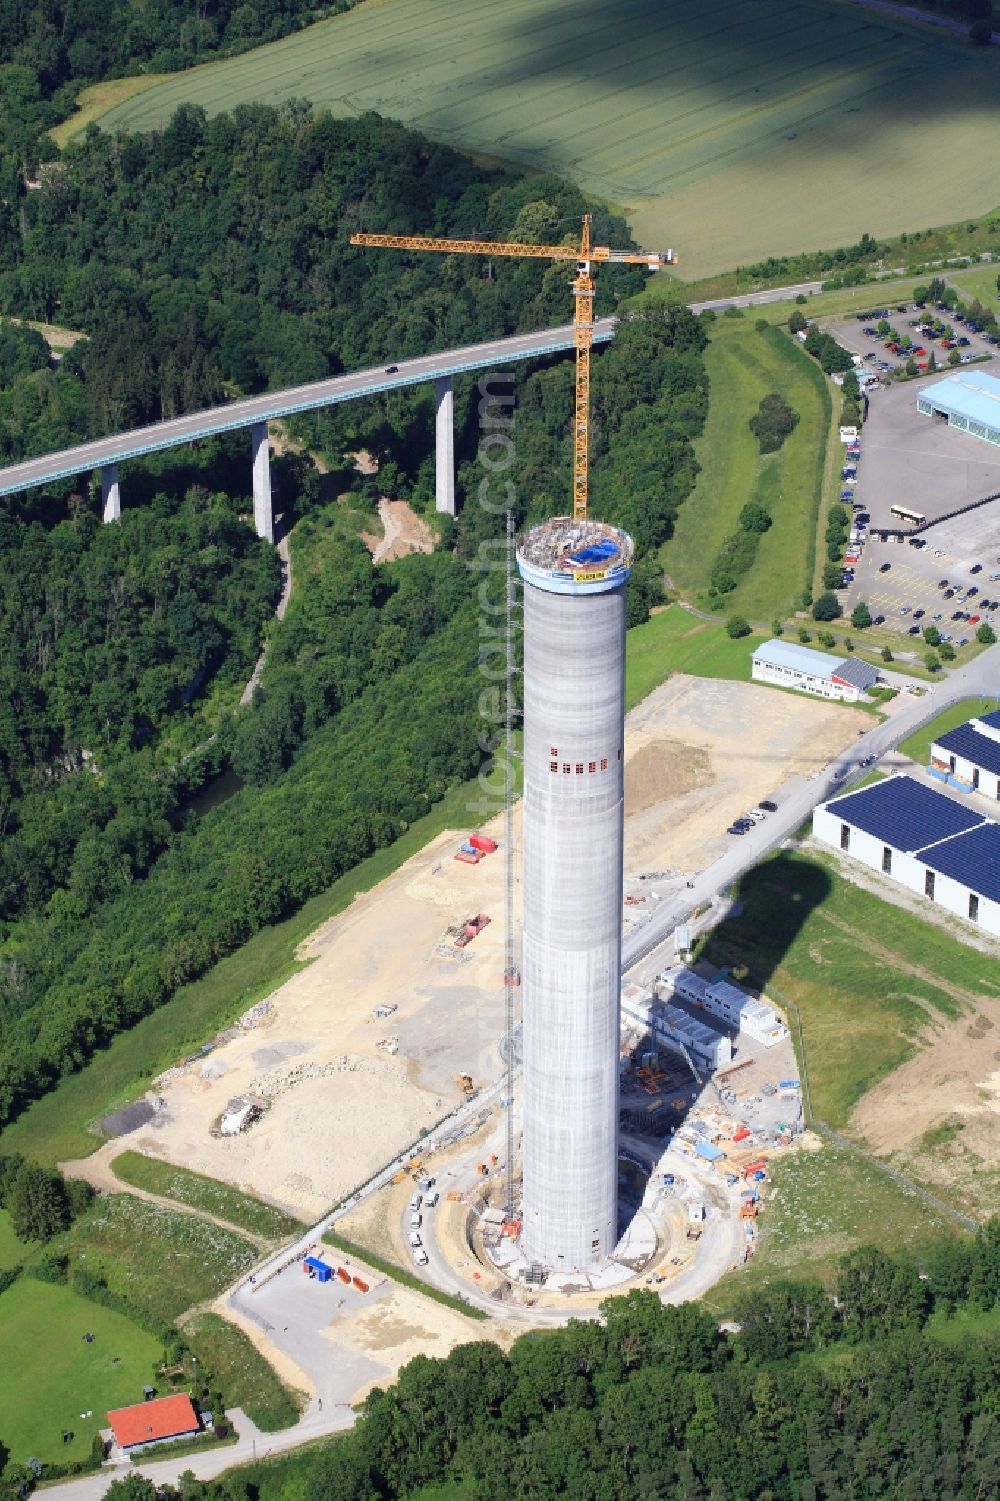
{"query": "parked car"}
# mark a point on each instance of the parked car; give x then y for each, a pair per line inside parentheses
(919, 614)
(768, 805)
(942, 583)
(976, 568)
(884, 567)
(734, 828)
(914, 630)
(948, 594)
(879, 620)
(975, 619)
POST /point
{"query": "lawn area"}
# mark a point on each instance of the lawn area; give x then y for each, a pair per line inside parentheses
(199, 1192)
(12, 1250)
(674, 640)
(744, 366)
(242, 1373)
(820, 1205)
(866, 976)
(980, 282)
(161, 1262)
(699, 158)
(965, 1324)
(918, 745)
(49, 1375)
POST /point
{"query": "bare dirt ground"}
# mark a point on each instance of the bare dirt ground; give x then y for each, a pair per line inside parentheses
(705, 751)
(341, 1104)
(403, 532)
(942, 1108)
(404, 1324)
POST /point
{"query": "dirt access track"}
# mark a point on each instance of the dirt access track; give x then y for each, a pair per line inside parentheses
(341, 1106)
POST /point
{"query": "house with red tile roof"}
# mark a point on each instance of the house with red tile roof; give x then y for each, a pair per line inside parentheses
(154, 1422)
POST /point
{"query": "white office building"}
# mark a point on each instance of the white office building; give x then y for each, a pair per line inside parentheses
(789, 666)
(728, 1002)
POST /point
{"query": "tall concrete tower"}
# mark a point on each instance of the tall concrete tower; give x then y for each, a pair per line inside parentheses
(574, 576)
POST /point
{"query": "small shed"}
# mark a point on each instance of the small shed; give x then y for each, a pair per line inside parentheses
(319, 1269)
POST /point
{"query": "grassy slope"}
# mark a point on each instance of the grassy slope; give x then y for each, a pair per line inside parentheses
(207, 1194)
(744, 366)
(820, 1205)
(161, 1262)
(846, 958)
(674, 133)
(918, 745)
(246, 1379)
(44, 1395)
(673, 640)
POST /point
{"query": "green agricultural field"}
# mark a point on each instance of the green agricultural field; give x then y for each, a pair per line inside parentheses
(160, 1262)
(729, 132)
(745, 365)
(918, 745)
(12, 1250)
(848, 961)
(49, 1375)
(206, 1194)
(242, 1373)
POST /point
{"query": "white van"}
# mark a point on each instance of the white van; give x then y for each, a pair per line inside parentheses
(416, 1220)
(420, 1256)
(415, 1240)
(416, 1201)
(432, 1199)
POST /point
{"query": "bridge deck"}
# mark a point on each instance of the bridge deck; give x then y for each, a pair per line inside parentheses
(237, 414)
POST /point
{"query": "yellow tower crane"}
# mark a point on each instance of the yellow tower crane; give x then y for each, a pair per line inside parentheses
(586, 257)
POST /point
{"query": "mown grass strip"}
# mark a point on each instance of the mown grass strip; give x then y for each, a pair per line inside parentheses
(208, 1195)
(402, 1275)
(918, 745)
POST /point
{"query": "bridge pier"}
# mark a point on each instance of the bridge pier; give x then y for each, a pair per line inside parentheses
(444, 471)
(263, 513)
(111, 498)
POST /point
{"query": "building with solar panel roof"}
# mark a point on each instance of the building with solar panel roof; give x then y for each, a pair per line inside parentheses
(969, 757)
(923, 839)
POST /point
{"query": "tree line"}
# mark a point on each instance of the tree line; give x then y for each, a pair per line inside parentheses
(842, 1393)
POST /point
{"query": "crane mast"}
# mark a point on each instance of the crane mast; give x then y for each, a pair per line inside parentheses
(585, 255)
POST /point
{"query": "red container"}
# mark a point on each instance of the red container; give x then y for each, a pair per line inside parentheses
(483, 842)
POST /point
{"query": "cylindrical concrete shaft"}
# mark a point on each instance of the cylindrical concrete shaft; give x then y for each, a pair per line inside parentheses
(444, 458)
(263, 512)
(574, 671)
(111, 495)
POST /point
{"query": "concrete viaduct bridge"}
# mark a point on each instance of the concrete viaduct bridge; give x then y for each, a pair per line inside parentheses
(105, 454)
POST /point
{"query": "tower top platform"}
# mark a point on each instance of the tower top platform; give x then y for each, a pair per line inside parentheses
(565, 556)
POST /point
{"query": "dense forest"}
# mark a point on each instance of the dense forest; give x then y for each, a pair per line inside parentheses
(885, 1385)
(235, 276)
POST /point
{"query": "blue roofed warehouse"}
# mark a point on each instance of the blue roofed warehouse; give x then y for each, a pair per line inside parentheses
(970, 400)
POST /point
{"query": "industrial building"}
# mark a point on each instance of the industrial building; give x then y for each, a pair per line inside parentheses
(574, 574)
(789, 666)
(674, 1028)
(922, 839)
(969, 757)
(969, 400)
(728, 1002)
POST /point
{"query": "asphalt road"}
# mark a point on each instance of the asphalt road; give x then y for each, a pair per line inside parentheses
(237, 414)
(797, 799)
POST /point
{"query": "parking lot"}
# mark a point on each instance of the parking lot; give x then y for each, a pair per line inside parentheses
(919, 461)
(929, 585)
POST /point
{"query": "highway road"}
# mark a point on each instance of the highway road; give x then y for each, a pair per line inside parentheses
(797, 799)
(323, 393)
